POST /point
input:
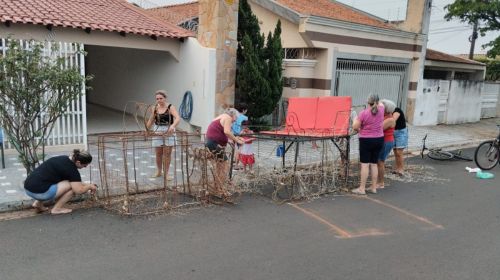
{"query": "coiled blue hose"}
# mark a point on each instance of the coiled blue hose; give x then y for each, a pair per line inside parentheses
(186, 108)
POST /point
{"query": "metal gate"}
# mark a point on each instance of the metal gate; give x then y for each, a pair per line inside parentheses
(359, 78)
(71, 127)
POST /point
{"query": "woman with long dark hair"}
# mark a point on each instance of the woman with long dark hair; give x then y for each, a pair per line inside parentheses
(57, 179)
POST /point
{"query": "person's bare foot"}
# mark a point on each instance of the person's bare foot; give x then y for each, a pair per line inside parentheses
(39, 207)
(57, 211)
(156, 175)
(372, 190)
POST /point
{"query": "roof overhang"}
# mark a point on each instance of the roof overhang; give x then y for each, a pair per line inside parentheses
(316, 20)
(99, 38)
(279, 10)
(454, 65)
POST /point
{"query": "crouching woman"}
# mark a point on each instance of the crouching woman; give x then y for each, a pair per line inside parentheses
(58, 180)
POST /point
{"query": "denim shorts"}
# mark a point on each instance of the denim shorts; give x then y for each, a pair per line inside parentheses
(401, 138)
(386, 150)
(49, 195)
(158, 140)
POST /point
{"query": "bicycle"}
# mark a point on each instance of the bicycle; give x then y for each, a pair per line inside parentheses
(487, 154)
(439, 154)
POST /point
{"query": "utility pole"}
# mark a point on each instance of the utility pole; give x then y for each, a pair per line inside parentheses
(472, 40)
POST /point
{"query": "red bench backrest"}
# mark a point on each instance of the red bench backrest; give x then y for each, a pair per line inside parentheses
(333, 114)
(327, 114)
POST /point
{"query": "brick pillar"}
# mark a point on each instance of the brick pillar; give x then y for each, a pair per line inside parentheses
(217, 28)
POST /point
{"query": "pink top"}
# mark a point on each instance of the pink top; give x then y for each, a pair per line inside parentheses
(372, 126)
(215, 132)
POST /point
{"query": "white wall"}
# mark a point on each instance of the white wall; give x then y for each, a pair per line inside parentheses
(196, 72)
(455, 102)
(489, 100)
(427, 104)
(464, 102)
(124, 76)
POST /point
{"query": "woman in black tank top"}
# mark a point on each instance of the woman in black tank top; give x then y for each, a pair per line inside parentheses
(162, 122)
(400, 140)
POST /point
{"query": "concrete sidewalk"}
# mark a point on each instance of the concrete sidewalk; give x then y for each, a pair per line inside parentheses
(12, 195)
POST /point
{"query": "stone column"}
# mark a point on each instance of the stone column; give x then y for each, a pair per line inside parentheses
(217, 28)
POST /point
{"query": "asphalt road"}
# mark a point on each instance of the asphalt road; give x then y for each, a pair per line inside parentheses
(443, 229)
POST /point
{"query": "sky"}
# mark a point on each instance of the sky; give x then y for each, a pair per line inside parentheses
(449, 37)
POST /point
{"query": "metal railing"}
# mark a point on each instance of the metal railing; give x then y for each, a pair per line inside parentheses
(299, 53)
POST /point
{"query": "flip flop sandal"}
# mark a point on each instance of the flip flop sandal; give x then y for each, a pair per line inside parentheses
(358, 191)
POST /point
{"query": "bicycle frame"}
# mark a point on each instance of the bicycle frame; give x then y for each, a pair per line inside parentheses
(424, 148)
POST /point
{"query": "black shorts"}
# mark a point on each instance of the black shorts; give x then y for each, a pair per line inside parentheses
(369, 149)
(217, 150)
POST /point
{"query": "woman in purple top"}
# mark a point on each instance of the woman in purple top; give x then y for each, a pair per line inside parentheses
(369, 124)
(217, 136)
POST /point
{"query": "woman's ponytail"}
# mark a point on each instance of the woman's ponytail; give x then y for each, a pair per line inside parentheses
(82, 156)
(373, 102)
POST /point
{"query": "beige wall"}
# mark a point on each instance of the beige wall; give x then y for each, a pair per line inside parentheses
(290, 37)
(323, 69)
(298, 69)
(389, 37)
(325, 65)
(414, 16)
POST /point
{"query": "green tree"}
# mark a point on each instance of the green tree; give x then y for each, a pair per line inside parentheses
(252, 81)
(248, 24)
(485, 12)
(36, 86)
(259, 73)
(274, 55)
(492, 68)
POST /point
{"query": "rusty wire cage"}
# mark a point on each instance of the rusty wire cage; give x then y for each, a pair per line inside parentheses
(286, 168)
(296, 168)
(127, 167)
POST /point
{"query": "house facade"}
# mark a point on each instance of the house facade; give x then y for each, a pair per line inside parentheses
(130, 54)
(333, 49)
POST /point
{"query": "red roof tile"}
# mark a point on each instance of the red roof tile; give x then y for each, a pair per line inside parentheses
(176, 14)
(325, 8)
(440, 56)
(103, 15)
(333, 10)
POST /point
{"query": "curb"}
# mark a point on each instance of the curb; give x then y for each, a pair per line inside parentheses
(15, 205)
(25, 203)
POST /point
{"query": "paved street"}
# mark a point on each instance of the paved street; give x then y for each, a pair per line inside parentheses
(444, 229)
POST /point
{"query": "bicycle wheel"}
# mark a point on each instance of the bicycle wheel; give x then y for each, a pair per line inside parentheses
(487, 155)
(440, 155)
